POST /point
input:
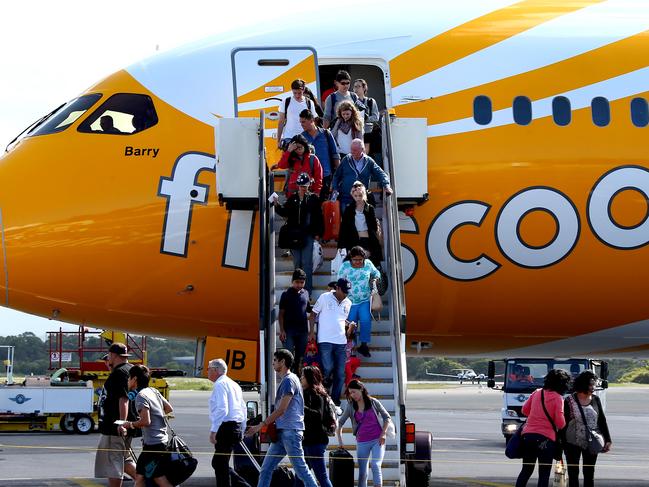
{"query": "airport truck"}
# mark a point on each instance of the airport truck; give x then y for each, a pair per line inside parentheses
(522, 376)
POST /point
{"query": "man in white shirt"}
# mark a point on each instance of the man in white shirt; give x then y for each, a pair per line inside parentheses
(331, 310)
(289, 113)
(228, 417)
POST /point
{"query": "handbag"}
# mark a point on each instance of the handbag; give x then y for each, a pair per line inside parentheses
(595, 440)
(558, 448)
(318, 259)
(271, 432)
(290, 237)
(376, 303)
(182, 463)
(338, 261)
(514, 447)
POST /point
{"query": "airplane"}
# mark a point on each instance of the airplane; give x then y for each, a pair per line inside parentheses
(462, 375)
(529, 234)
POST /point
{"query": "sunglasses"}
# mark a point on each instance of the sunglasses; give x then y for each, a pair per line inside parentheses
(344, 82)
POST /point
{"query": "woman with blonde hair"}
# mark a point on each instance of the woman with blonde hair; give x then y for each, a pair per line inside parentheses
(348, 126)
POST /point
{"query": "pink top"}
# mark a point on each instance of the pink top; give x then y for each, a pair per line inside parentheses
(369, 428)
(537, 421)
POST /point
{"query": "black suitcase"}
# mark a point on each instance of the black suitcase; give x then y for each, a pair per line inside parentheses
(282, 477)
(247, 457)
(341, 468)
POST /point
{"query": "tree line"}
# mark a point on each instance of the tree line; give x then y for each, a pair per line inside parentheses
(31, 357)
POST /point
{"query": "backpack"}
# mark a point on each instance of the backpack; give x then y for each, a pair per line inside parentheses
(329, 419)
(287, 102)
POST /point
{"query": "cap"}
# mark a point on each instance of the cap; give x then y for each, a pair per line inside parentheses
(119, 349)
(104, 356)
(303, 179)
(344, 285)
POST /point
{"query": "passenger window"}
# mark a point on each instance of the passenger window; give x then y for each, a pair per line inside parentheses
(482, 110)
(601, 111)
(121, 114)
(522, 109)
(639, 112)
(561, 111)
(66, 115)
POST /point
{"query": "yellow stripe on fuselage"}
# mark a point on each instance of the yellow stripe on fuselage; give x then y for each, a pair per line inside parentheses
(591, 67)
(476, 35)
(303, 70)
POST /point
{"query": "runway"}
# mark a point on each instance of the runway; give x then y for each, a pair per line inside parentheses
(468, 448)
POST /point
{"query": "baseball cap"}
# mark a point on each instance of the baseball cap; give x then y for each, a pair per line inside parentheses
(119, 349)
(303, 179)
(344, 285)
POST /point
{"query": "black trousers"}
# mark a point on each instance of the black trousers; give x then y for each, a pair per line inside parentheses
(536, 447)
(228, 435)
(573, 454)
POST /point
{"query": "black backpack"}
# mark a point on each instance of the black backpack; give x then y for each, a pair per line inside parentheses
(287, 102)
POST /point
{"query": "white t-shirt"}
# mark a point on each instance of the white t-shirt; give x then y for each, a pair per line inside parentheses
(344, 141)
(292, 126)
(331, 318)
(360, 221)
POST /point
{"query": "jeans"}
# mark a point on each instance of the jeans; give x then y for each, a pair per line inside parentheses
(296, 344)
(303, 258)
(333, 358)
(289, 443)
(315, 460)
(228, 435)
(360, 313)
(535, 447)
(363, 451)
(573, 453)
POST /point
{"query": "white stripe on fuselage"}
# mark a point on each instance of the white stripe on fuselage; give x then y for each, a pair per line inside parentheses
(612, 89)
(553, 41)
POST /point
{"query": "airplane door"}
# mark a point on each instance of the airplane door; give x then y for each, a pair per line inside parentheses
(262, 79)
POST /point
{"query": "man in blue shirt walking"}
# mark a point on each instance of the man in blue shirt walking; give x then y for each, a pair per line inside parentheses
(325, 148)
(289, 419)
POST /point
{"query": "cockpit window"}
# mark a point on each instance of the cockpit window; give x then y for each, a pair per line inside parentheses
(66, 115)
(121, 114)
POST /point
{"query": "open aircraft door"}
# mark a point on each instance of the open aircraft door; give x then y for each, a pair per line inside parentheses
(262, 79)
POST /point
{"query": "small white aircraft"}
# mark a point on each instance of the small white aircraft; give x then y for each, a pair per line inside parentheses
(462, 375)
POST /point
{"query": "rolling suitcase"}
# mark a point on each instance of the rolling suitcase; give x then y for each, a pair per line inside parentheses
(282, 476)
(341, 468)
(331, 211)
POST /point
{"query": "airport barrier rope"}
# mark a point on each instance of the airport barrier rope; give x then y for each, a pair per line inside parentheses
(211, 453)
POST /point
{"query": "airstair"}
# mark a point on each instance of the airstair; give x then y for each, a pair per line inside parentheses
(384, 373)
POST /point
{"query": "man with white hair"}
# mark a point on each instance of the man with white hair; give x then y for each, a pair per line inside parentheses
(357, 166)
(228, 417)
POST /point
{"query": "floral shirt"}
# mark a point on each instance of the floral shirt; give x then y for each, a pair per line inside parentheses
(360, 279)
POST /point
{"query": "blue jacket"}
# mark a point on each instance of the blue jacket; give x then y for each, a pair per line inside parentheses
(347, 174)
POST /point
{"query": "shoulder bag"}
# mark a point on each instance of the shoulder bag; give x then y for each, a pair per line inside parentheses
(182, 463)
(514, 446)
(290, 237)
(558, 449)
(595, 440)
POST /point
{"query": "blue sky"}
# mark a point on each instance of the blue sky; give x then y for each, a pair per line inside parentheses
(51, 51)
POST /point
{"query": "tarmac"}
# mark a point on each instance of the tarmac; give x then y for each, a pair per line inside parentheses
(468, 448)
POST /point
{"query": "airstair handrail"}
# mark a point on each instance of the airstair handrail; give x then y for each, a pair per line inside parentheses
(392, 244)
(266, 276)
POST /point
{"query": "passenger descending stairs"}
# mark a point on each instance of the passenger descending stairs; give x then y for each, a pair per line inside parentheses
(377, 372)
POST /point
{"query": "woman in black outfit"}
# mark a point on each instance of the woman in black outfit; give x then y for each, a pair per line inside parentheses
(315, 439)
(302, 211)
(359, 226)
(576, 431)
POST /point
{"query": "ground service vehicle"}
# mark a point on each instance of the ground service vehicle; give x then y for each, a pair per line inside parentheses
(517, 156)
(524, 375)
